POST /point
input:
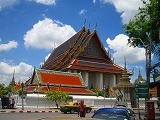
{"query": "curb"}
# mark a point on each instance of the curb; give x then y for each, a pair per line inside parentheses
(142, 108)
(28, 111)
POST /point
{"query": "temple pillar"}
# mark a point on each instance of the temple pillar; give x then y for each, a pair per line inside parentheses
(86, 78)
(112, 80)
(99, 80)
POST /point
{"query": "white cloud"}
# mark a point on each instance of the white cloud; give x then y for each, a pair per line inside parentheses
(47, 34)
(7, 3)
(22, 72)
(8, 46)
(128, 8)
(82, 11)
(45, 2)
(121, 48)
(94, 1)
(45, 59)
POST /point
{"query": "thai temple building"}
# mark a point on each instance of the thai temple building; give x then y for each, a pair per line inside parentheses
(84, 53)
(79, 64)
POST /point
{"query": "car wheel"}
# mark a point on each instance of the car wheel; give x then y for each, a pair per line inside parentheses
(65, 112)
(72, 111)
(88, 110)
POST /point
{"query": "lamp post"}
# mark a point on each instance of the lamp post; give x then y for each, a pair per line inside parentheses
(22, 85)
(148, 65)
(148, 49)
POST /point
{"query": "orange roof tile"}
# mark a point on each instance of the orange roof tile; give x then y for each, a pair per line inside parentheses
(60, 79)
(30, 88)
(63, 89)
(68, 90)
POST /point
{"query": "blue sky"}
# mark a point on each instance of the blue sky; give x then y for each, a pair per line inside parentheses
(31, 29)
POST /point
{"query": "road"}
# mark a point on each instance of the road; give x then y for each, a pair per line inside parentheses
(44, 116)
(38, 116)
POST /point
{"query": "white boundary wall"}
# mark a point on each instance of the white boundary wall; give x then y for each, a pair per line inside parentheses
(38, 101)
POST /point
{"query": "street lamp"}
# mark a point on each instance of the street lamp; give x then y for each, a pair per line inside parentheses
(22, 85)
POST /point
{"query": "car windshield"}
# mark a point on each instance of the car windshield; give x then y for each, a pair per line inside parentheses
(110, 116)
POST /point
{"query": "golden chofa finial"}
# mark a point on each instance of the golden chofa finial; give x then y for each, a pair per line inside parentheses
(95, 26)
(85, 22)
(89, 25)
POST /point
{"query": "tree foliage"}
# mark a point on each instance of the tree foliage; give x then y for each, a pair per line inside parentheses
(101, 92)
(2, 88)
(145, 26)
(57, 96)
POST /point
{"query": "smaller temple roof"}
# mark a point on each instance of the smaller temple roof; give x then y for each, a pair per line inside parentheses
(71, 83)
(139, 79)
(125, 80)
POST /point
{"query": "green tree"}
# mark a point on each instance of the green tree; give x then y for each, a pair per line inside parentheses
(146, 25)
(100, 92)
(57, 96)
(145, 29)
(65, 97)
(2, 90)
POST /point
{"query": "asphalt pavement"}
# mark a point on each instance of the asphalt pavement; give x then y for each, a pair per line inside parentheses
(25, 109)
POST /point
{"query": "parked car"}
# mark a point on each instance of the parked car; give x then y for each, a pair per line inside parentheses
(111, 114)
(129, 111)
(120, 103)
(73, 107)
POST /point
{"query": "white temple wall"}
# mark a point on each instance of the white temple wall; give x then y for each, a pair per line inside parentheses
(38, 101)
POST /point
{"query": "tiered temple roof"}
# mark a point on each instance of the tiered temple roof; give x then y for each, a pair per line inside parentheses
(125, 80)
(82, 52)
(139, 79)
(71, 83)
